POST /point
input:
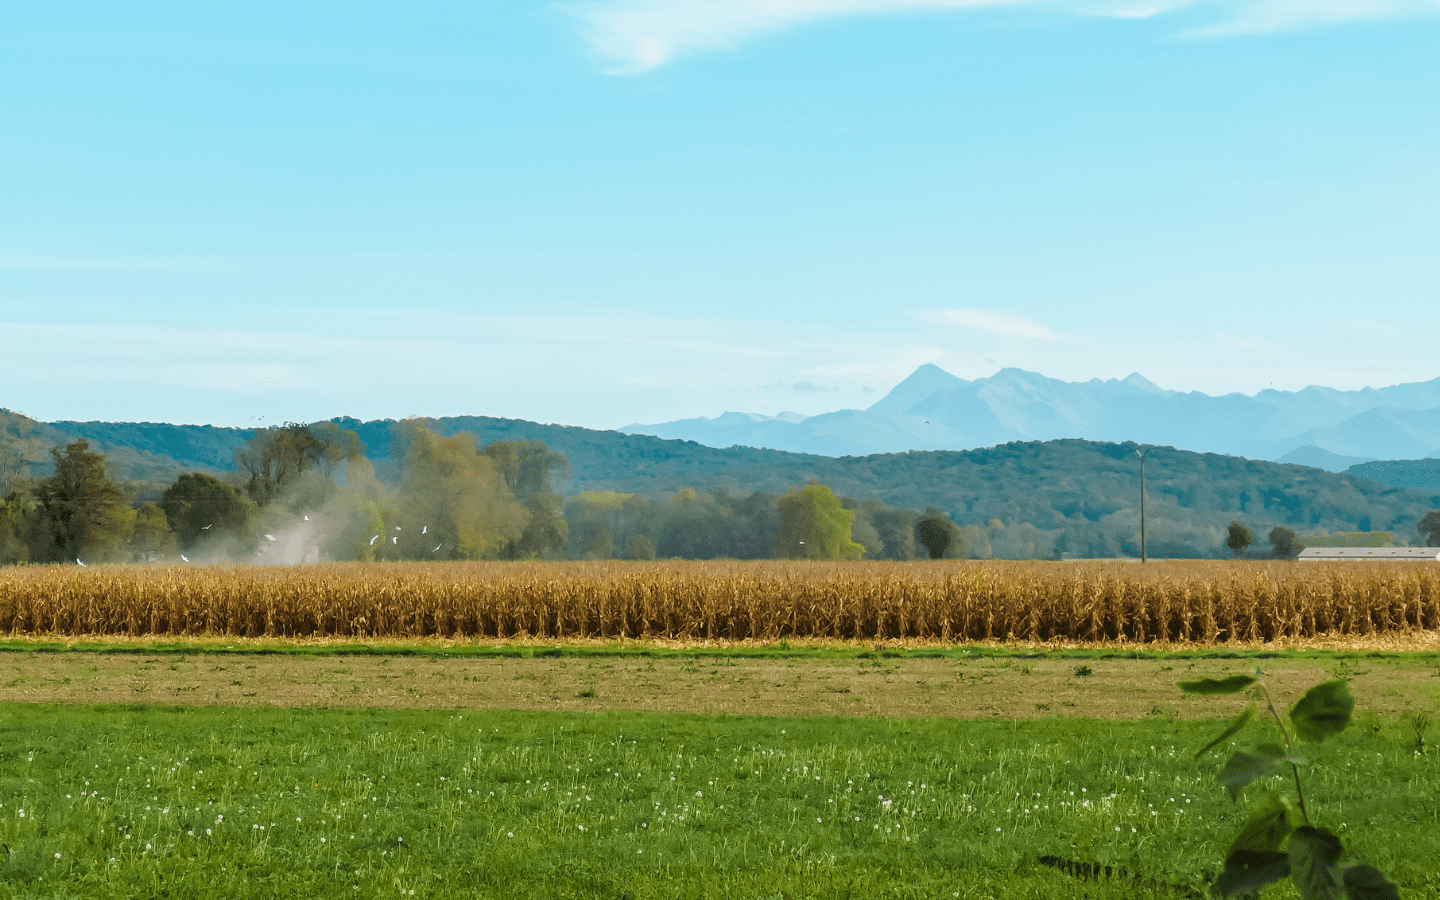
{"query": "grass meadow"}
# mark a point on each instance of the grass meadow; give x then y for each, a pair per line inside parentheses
(149, 801)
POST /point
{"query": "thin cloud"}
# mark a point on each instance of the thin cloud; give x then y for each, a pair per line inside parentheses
(991, 320)
(638, 35)
(1263, 16)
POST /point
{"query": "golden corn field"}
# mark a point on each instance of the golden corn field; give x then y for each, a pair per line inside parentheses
(954, 602)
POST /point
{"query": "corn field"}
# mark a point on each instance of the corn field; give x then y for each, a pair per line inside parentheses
(951, 602)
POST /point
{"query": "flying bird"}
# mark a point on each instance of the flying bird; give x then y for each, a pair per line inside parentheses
(374, 539)
(394, 540)
(425, 529)
(307, 518)
(397, 527)
(184, 557)
(269, 537)
(207, 527)
(437, 547)
(82, 565)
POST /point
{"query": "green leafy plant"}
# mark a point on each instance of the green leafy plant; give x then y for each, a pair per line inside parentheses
(1419, 723)
(1278, 840)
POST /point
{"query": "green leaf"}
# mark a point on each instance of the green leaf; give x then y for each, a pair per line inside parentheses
(1231, 730)
(1366, 883)
(1270, 823)
(1314, 864)
(1247, 765)
(1215, 686)
(1323, 712)
(1247, 871)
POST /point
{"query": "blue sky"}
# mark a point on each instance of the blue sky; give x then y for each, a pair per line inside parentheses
(615, 211)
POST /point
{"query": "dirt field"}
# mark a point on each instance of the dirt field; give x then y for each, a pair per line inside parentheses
(982, 688)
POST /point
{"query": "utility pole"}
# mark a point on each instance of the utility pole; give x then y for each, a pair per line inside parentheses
(1141, 454)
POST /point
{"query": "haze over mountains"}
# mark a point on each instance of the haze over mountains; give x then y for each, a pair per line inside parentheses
(934, 410)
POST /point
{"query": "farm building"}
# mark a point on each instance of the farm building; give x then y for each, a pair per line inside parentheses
(1418, 554)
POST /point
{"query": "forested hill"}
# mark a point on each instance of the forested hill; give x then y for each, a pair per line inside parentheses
(1086, 490)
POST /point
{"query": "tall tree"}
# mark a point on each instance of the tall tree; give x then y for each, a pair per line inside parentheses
(937, 534)
(1429, 528)
(814, 524)
(278, 459)
(85, 513)
(527, 467)
(151, 538)
(202, 509)
(454, 503)
(1238, 537)
(1283, 543)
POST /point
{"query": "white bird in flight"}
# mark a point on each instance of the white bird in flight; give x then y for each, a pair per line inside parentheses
(425, 529)
(374, 539)
(207, 527)
(437, 547)
(269, 537)
(184, 557)
(394, 540)
(82, 565)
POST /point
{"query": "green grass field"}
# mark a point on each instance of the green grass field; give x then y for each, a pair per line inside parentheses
(146, 801)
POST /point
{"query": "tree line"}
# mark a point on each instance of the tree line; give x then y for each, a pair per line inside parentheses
(308, 492)
(304, 493)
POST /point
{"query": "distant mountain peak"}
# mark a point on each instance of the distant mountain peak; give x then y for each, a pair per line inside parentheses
(923, 383)
(1136, 380)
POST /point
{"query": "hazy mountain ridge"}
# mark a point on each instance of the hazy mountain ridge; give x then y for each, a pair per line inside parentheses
(934, 410)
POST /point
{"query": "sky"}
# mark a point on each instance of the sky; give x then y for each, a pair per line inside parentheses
(605, 212)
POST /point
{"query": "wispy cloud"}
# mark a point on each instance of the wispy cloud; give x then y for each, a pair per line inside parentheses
(991, 320)
(639, 35)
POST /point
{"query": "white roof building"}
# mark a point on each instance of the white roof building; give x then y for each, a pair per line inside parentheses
(1417, 554)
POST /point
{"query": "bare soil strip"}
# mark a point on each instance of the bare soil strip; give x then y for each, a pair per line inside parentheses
(969, 689)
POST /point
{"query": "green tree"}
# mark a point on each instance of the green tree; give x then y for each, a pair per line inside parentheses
(600, 544)
(526, 467)
(640, 547)
(1283, 543)
(1429, 528)
(1239, 537)
(896, 528)
(454, 504)
(277, 461)
(201, 509)
(151, 538)
(16, 524)
(938, 535)
(84, 512)
(814, 525)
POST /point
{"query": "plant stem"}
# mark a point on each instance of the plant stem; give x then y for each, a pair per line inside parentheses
(1289, 750)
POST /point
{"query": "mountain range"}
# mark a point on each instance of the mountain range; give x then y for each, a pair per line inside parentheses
(934, 410)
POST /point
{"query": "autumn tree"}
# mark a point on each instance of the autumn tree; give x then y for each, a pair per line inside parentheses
(84, 513)
(526, 467)
(814, 524)
(454, 502)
